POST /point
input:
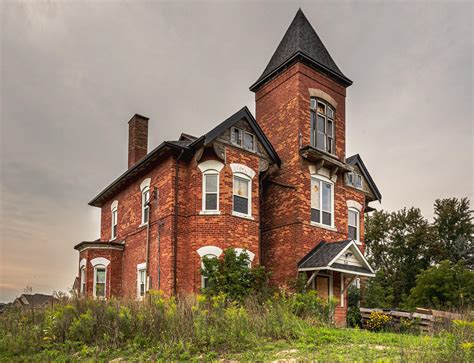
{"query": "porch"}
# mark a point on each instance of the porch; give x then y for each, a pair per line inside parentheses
(330, 268)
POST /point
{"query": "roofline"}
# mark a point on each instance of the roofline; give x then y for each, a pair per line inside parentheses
(99, 244)
(244, 112)
(94, 201)
(337, 270)
(346, 82)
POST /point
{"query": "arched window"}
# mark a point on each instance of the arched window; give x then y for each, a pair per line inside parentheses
(208, 252)
(100, 277)
(322, 125)
(82, 266)
(100, 280)
(210, 186)
(114, 218)
(145, 190)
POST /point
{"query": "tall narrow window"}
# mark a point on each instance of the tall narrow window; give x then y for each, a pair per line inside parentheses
(83, 280)
(114, 223)
(322, 126)
(353, 222)
(99, 281)
(322, 201)
(141, 287)
(211, 191)
(145, 205)
(241, 195)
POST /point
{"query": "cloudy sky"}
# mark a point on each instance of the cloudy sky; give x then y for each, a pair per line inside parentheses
(73, 73)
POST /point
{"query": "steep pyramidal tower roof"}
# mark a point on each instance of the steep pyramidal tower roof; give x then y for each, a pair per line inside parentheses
(301, 42)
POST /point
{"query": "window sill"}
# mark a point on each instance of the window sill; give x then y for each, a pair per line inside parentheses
(241, 215)
(359, 243)
(142, 225)
(330, 228)
(210, 212)
(112, 239)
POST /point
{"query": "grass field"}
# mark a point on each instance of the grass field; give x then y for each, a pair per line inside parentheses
(314, 344)
(284, 328)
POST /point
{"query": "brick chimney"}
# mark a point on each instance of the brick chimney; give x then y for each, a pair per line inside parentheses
(137, 138)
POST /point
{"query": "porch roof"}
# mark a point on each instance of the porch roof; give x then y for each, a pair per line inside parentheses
(342, 256)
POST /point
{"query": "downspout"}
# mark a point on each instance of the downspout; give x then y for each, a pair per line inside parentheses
(175, 231)
(147, 258)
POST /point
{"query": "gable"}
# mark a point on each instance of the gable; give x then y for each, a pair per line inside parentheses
(370, 188)
(350, 257)
(243, 124)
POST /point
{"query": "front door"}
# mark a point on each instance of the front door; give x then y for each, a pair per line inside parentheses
(322, 287)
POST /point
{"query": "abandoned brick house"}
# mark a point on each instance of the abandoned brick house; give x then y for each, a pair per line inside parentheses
(278, 186)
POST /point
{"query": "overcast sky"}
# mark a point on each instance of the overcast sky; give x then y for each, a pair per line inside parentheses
(73, 73)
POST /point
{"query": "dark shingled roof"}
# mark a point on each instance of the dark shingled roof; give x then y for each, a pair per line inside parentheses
(301, 42)
(322, 254)
(357, 160)
(187, 144)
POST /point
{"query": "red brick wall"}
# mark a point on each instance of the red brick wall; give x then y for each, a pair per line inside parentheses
(282, 110)
(223, 230)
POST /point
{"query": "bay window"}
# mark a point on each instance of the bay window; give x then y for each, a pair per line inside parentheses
(322, 201)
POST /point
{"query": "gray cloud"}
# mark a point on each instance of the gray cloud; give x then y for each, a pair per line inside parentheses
(73, 73)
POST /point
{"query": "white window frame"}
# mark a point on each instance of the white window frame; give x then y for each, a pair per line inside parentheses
(114, 220)
(82, 288)
(242, 134)
(97, 267)
(357, 212)
(203, 278)
(145, 188)
(321, 179)
(210, 167)
(141, 267)
(244, 172)
(249, 197)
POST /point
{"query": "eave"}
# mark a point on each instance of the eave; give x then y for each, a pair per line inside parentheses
(99, 245)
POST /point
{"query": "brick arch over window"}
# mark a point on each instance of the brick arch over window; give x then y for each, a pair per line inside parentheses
(209, 250)
(313, 92)
(100, 261)
(355, 205)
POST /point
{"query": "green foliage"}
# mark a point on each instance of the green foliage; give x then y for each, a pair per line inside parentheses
(454, 231)
(402, 244)
(232, 277)
(354, 318)
(443, 286)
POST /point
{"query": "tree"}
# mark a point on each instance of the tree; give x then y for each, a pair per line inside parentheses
(454, 228)
(399, 246)
(445, 285)
(232, 276)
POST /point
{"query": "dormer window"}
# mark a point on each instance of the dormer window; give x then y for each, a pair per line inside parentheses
(354, 179)
(322, 125)
(243, 139)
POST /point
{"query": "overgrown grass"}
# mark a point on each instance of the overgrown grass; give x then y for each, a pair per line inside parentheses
(195, 328)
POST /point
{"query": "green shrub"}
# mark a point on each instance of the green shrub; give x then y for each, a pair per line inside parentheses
(378, 321)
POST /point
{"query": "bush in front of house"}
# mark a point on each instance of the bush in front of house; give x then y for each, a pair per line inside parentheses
(378, 321)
